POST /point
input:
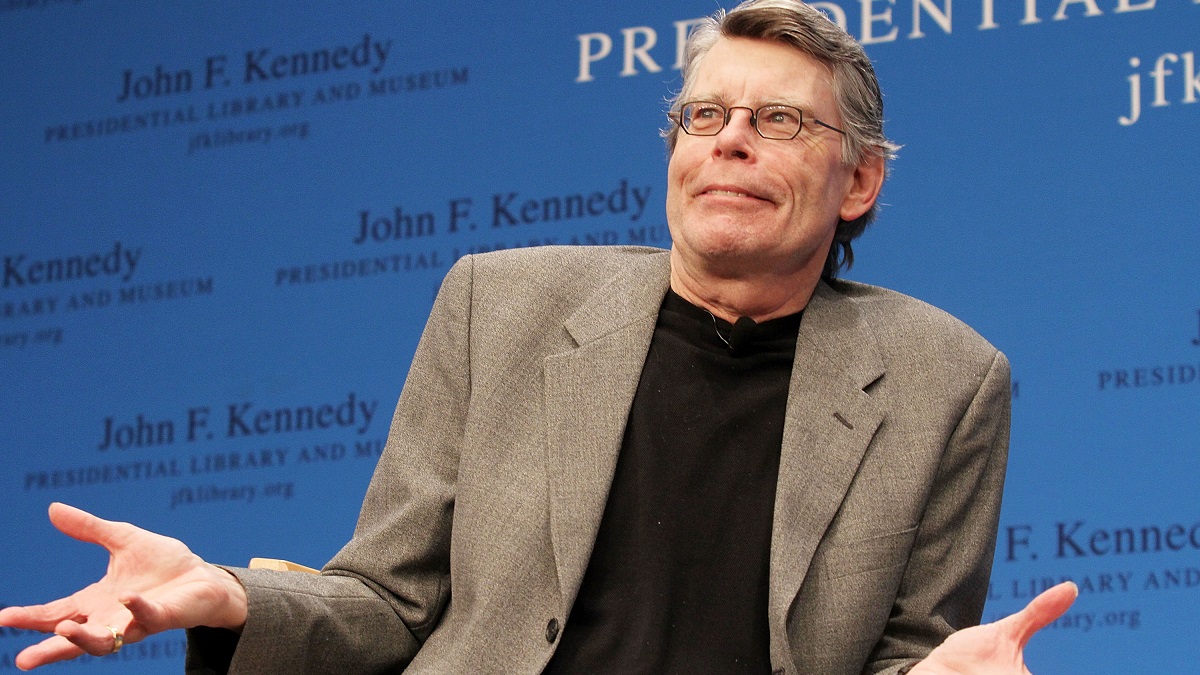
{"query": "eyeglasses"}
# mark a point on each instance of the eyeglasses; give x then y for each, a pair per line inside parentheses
(775, 122)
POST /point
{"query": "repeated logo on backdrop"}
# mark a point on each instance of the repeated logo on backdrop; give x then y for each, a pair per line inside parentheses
(245, 93)
(39, 290)
(257, 438)
(1183, 371)
(644, 49)
(433, 237)
(1116, 568)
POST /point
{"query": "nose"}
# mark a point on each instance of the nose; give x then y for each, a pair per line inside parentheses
(736, 139)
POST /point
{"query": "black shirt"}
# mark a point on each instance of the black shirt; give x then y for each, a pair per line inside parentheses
(677, 581)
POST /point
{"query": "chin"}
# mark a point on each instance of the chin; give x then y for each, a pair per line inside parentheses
(734, 258)
(729, 242)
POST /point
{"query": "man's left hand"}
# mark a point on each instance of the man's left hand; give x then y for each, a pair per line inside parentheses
(998, 648)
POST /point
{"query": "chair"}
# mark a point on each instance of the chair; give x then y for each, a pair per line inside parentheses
(280, 565)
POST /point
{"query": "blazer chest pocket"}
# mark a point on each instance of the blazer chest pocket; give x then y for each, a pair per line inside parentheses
(868, 554)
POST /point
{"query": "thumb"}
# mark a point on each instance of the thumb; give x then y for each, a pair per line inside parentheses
(1040, 612)
(81, 525)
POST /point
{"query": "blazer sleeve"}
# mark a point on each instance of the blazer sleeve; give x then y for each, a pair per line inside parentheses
(380, 597)
(945, 581)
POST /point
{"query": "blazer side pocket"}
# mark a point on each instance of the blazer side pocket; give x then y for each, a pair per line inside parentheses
(869, 554)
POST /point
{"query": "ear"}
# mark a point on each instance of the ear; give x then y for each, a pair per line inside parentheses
(865, 183)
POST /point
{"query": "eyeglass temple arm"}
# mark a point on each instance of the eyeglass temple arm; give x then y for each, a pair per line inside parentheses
(828, 126)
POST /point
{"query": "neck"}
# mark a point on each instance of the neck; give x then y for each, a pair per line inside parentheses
(760, 295)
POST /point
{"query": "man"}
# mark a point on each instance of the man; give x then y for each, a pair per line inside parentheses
(717, 459)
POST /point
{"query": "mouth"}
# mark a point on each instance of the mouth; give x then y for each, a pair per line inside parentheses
(730, 191)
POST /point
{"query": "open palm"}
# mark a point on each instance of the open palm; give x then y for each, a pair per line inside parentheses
(153, 583)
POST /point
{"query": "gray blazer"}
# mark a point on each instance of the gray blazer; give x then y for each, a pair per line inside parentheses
(479, 522)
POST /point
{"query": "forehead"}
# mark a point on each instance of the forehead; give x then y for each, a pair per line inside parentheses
(743, 70)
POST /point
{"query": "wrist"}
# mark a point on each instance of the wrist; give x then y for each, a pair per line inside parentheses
(236, 604)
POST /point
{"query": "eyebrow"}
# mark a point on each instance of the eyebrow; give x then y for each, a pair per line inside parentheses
(724, 100)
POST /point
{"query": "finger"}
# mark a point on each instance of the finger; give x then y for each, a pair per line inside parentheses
(81, 525)
(41, 618)
(1041, 611)
(50, 650)
(93, 638)
(150, 616)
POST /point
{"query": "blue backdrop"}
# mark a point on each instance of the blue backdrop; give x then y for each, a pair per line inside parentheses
(223, 224)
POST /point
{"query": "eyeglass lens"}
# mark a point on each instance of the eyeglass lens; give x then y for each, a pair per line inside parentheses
(771, 121)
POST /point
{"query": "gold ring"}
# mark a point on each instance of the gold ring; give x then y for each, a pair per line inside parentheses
(118, 639)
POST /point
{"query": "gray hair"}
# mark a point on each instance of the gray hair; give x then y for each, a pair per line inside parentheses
(855, 87)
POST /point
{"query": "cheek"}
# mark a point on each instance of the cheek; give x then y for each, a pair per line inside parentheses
(675, 181)
(672, 200)
(673, 169)
(688, 155)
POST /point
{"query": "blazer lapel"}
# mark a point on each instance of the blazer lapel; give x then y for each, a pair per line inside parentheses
(588, 393)
(829, 423)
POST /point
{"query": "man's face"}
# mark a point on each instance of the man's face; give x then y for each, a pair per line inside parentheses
(737, 202)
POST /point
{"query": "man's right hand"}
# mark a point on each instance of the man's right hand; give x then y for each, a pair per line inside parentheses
(153, 584)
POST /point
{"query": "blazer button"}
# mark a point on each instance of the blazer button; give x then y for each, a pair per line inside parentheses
(551, 630)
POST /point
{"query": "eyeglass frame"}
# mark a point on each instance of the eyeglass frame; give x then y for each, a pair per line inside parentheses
(677, 117)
